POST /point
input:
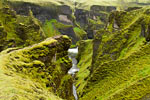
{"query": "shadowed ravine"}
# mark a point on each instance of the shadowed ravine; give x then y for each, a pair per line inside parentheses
(72, 54)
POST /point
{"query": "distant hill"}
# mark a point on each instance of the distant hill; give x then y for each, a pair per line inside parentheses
(87, 3)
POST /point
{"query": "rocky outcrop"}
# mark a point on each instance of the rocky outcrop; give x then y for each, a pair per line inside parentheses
(81, 16)
(18, 31)
(89, 20)
(120, 59)
(103, 8)
(37, 72)
(65, 14)
(40, 12)
(53, 27)
(57, 19)
(94, 19)
(102, 11)
(47, 12)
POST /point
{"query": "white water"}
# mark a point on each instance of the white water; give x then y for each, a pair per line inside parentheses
(75, 92)
(72, 54)
(73, 50)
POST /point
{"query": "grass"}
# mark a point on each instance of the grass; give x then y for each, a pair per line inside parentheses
(20, 86)
(49, 28)
(121, 66)
(80, 33)
(121, 75)
(84, 62)
(21, 30)
(34, 72)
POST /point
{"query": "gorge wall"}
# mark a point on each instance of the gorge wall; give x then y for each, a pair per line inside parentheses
(80, 23)
(37, 72)
(18, 31)
(32, 68)
(113, 53)
(118, 67)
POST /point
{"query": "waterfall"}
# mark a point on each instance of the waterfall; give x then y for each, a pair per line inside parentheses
(72, 54)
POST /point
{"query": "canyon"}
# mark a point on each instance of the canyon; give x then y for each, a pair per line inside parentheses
(74, 50)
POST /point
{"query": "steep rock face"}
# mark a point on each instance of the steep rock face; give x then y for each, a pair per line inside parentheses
(94, 19)
(53, 27)
(43, 12)
(18, 31)
(120, 59)
(65, 14)
(102, 11)
(82, 16)
(89, 20)
(37, 72)
(57, 19)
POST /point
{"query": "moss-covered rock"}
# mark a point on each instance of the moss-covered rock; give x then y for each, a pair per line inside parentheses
(86, 20)
(80, 33)
(53, 28)
(37, 72)
(19, 31)
(84, 56)
(116, 43)
(120, 60)
(122, 79)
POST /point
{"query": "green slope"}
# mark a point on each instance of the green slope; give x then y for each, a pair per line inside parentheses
(35, 73)
(120, 66)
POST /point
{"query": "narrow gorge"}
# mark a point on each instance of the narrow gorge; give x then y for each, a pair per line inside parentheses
(74, 50)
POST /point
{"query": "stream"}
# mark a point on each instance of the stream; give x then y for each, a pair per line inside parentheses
(72, 54)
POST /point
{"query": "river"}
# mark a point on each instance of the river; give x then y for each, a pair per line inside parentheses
(72, 54)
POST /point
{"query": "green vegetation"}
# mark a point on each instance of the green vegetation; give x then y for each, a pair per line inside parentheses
(113, 66)
(73, 46)
(120, 59)
(53, 28)
(84, 64)
(122, 42)
(80, 33)
(49, 28)
(19, 30)
(2, 3)
(41, 68)
(37, 72)
(95, 24)
(125, 78)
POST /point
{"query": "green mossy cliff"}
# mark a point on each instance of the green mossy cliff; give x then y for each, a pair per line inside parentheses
(53, 28)
(85, 48)
(18, 31)
(37, 72)
(120, 60)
